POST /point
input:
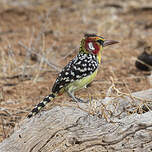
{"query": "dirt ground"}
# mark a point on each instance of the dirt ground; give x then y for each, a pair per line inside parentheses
(38, 37)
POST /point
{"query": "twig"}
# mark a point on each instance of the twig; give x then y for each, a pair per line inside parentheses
(4, 134)
(41, 62)
(68, 54)
(140, 61)
(45, 60)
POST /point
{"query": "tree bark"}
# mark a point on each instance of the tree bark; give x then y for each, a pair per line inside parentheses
(112, 124)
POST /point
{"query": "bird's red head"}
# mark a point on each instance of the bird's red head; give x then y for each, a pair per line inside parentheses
(93, 43)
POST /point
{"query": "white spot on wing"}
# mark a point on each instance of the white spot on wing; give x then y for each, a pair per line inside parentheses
(72, 73)
(67, 80)
(78, 76)
(66, 73)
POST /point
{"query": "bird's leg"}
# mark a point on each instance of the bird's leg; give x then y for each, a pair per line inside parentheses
(75, 99)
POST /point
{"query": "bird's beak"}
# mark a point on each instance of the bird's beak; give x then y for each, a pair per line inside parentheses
(109, 42)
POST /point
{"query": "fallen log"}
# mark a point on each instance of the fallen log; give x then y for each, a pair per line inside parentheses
(75, 128)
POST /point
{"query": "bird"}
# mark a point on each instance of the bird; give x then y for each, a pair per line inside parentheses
(79, 72)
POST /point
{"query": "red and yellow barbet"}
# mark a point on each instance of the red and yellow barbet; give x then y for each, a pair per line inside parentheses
(79, 72)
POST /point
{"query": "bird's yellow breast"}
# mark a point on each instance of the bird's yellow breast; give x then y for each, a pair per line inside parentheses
(81, 83)
(78, 84)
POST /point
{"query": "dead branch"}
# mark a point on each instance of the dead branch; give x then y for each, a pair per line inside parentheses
(55, 67)
(65, 128)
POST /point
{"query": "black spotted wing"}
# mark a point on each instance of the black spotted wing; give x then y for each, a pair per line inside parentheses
(81, 66)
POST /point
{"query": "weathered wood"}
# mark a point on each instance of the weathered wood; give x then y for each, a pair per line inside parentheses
(69, 129)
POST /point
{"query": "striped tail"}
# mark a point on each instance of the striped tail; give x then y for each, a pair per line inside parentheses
(41, 105)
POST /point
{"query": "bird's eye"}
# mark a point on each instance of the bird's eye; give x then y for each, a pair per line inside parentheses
(90, 45)
(100, 42)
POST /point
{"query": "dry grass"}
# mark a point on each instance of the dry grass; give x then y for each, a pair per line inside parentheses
(38, 38)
